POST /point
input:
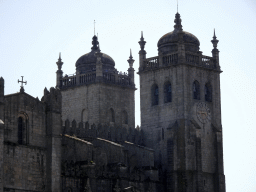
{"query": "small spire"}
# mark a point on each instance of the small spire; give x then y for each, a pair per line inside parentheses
(142, 38)
(130, 60)
(59, 56)
(59, 62)
(214, 36)
(214, 40)
(142, 42)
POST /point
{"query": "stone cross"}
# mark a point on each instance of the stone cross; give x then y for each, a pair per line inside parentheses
(21, 87)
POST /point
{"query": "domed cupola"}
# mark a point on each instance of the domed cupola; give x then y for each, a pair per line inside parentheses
(169, 42)
(87, 62)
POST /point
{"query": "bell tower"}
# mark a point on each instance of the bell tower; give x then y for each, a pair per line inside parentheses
(181, 111)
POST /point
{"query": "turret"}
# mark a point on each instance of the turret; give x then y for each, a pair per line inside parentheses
(142, 52)
(131, 69)
(1, 98)
(59, 72)
(215, 51)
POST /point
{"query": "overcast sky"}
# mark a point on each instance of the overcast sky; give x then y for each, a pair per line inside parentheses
(32, 34)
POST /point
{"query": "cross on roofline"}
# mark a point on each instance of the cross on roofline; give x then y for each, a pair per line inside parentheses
(22, 87)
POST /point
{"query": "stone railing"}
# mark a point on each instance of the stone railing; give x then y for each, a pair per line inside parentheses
(123, 79)
(196, 59)
(87, 78)
(192, 59)
(170, 59)
(200, 60)
(208, 62)
(151, 63)
(68, 81)
(109, 77)
(113, 78)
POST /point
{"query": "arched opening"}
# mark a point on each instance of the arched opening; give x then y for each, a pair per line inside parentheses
(196, 90)
(155, 94)
(167, 92)
(125, 117)
(208, 92)
(23, 128)
(20, 130)
(112, 115)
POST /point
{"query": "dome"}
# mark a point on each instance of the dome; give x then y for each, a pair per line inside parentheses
(169, 41)
(87, 62)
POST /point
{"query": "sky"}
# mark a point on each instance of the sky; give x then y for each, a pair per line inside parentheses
(32, 34)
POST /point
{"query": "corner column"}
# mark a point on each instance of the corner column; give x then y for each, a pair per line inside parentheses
(53, 139)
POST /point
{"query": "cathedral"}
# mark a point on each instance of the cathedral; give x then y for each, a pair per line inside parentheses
(81, 135)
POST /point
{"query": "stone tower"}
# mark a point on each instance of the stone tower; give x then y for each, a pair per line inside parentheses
(181, 111)
(98, 93)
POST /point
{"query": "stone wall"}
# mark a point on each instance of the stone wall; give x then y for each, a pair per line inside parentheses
(24, 167)
(32, 112)
(93, 103)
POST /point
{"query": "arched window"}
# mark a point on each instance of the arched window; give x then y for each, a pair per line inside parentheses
(155, 95)
(167, 92)
(20, 130)
(208, 92)
(196, 90)
(125, 117)
(112, 115)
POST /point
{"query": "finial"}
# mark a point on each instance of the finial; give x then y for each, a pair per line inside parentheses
(95, 43)
(214, 40)
(130, 60)
(60, 56)
(94, 27)
(59, 62)
(142, 42)
(177, 5)
(214, 36)
(177, 22)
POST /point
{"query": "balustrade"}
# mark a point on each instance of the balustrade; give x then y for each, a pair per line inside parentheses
(68, 81)
(170, 59)
(151, 63)
(122, 79)
(208, 62)
(193, 59)
(86, 78)
(109, 77)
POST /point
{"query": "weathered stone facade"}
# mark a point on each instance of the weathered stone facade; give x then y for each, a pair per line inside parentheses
(81, 136)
